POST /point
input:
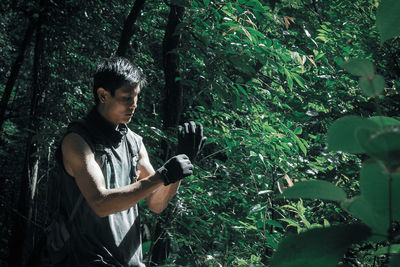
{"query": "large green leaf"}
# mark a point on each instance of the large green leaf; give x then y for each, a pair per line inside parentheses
(396, 196)
(383, 145)
(384, 122)
(360, 208)
(372, 87)
(342, 133)
(375, 188)
(394, 249)
(315, 190)
(318, 247)
(360, 67)
(395, 261)
(372, 207)
(388, 19)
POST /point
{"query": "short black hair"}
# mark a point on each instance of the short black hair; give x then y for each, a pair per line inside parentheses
(113, 73)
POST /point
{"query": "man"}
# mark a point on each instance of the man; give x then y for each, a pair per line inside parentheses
(103, 160)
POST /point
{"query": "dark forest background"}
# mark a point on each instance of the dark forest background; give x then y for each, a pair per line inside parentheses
(267, 79)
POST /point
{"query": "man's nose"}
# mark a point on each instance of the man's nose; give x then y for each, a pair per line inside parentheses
(133, 104)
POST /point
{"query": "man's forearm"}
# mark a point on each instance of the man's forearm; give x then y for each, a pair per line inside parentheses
(122, 198)
(159, 199)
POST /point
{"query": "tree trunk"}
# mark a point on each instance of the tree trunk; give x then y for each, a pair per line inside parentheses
(15, 70)
(22, 227)
(173, 102)
(129, 28)
(173, 106)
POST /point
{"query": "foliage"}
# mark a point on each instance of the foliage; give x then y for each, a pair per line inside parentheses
(312, 249)
(378, 204)
(266, 79)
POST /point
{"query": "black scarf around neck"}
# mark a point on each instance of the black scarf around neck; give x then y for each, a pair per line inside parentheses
(104, 130)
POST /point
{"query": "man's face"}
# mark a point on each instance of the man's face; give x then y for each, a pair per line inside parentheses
(120, 107)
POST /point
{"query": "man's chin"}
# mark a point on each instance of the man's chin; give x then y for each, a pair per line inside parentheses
(127, 120)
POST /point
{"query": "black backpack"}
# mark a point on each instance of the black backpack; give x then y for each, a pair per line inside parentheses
(54, 244)
(59, 231)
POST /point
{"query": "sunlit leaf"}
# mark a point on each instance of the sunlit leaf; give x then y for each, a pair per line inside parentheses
(298, 130)
(315, 190)
(302, 146)
(384, 122)
(359, 67)
(394, 249)
(274, 223)
(318, 247)
(298, 80)
(247, 33)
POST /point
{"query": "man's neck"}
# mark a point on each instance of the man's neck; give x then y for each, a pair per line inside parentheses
(100, 109)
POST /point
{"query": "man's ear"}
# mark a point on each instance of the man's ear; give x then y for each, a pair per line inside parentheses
(102, 94)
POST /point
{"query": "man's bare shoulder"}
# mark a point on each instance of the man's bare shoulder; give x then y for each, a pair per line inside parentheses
(74, 144)
(77, 154)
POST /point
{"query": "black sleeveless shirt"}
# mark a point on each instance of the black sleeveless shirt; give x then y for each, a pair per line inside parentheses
(114, 240)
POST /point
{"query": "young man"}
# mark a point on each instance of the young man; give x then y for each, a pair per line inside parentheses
(103, 160)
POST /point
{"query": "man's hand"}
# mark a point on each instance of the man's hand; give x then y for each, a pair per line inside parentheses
(190, 139)
(175, 169)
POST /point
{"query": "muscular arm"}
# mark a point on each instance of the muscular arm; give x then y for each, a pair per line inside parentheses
(158, 200)
(79, 162)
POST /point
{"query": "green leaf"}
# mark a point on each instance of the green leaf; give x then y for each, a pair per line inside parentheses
(374, 187)
(257, 208)
(360, 208)
(395, 261)
(366, 86)
(146, 247)
(158, 132)
(241, 89)
(378, 83)
(388, 19)
(319, 246)
(372, 207)
(394, 249)
(372, 87)
(383, 146)
(302, 146)
(363, 136)
(384, 122)
(315, 190)
(298, 79)
(298, 131)
(289, 79)
(360, 67)
(291, 222)
(273, 223)
(342, 133)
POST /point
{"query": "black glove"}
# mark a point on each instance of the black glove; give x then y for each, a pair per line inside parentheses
(190, 139)
(175, 169)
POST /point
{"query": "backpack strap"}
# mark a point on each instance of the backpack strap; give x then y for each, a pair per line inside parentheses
(134, 143)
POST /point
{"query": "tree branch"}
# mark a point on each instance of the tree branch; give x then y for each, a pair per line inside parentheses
(129, 30)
